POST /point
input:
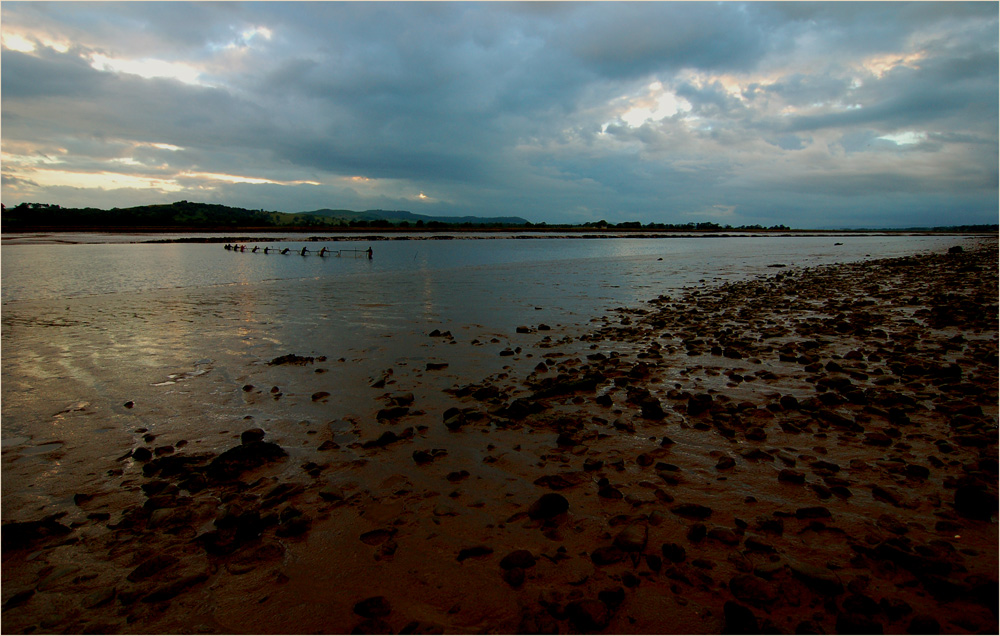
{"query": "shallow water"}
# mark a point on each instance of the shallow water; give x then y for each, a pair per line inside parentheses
(179, 328)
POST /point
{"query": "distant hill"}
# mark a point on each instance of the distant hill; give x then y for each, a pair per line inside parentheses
(399, 216)
(188, 214)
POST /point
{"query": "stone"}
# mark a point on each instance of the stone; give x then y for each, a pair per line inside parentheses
(692, 510)
(588, 615)
(633, 538)
(522, 559)
(975, 502)
(372, 626)
(373, 607)
(753, 590)
(475, 551)
(789, 476)
(548, 506)
(849, 623)
(607, 555)
(812, 512)
(673, 552)
(924, 624)
(725, 463)
(251, 435)
(739, 619)
(238, 459)
(820, 580)
(291, 358)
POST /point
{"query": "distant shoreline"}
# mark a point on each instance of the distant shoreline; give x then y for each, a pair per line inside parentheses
(60, 235)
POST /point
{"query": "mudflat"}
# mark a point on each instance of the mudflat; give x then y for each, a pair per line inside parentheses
(811, 452)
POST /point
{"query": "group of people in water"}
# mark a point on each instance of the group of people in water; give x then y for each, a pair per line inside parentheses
(303, 252)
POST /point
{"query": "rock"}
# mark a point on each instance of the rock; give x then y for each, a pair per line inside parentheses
(522, 559)
(386, 438)
(607, 555)
(379, 536)
(924, 624)
(588, 615)
(291, 358)
(22, 534)
(723, 535)
(820, 580)
(331, 492)
(251, 435)
(673, 552)
(372, 626)
(513, 577)
(548, 506)
(538, 623)
(612, 597)
(633, 538)
(789, 476)
(374, 607)
(725, 463)
(812, 512)
(238, 459)
(175, 588)
(476, 551)
(739, 619)
(848, 623)
(692, 510)
(294, 527)
(129, 404)
(151, 567)
(98, 598)
(975, 502)
(750, 589)
(562, 481)
(320, 395)
(142, 454)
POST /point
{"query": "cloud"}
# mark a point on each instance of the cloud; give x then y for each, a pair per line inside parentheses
(779, 113)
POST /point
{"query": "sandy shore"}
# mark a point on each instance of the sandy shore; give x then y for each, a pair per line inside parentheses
(814, 452)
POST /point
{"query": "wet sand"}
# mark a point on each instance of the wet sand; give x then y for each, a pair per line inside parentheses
(814, 452)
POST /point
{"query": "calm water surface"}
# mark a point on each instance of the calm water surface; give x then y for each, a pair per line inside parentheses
(179, 328)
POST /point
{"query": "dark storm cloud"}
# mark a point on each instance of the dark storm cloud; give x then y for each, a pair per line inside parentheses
(753, 111)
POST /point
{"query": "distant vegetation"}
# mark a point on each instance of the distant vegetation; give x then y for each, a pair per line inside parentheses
(187, 215)
(209, 216)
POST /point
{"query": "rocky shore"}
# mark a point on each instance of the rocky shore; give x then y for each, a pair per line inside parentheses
(810, 452)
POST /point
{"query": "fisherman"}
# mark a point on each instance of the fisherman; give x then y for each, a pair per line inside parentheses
(322, 252)
(254, 250)
(265, 249)
(369, 253)
(228, 247)
(284, 251)
(304, 250)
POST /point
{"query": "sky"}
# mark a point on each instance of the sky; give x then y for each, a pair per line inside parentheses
(811, 115)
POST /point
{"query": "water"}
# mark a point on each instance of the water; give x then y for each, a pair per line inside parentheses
(179, 328)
